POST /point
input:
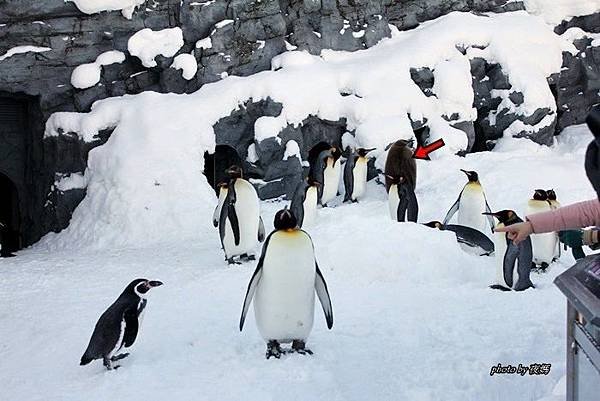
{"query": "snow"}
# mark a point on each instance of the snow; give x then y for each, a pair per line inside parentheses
(414, 319)
(146, 44)
(452, 86)
(71, 181)
(292, 150)
(556, 11)
(171, 132)
(205, 43)
(23, 49)
(87, 75)
(252, 155)
(127, 7)
(187, 63)
(223, 23)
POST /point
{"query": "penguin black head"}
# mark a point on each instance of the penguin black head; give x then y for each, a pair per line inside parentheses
(235, 171)
(285, 220)
(541, 195)
(311, 182)
(506, 217)
(141, 286)
(362, 152)
(551, 195)
(471, 175)
(434, 224)
(336, 153)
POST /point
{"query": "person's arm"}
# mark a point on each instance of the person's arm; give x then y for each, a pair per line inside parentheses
(577, 215)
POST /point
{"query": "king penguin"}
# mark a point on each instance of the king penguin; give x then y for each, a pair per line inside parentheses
(513, 261)
(304, 202)
(470, 205)
(402, 200)
(118, 326)
(355, 174)
(240, 226)
(544, 245)
(283, 287)
(328, 173)
(480, 243)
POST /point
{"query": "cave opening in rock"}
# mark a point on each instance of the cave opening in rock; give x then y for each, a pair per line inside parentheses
(216, 163)
(313, 153)
(10, 220)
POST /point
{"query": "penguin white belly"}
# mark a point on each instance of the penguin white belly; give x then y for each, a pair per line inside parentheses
(471, 207)
(222, 196)
(545, 246)
(310, 206)
(499, 250)
(248, 213)
(331, 178)
(284, 302)
(393, 201)
(359, 175)
(119, 343)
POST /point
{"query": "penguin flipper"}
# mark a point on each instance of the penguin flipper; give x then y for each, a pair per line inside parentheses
(261, 229)
(323, 294)
(524, 265)
(452, 211)
(131, 327)
(510, 258)
(235, 224)
(348, 178)
(253, 283)
(489, 216)
(216, 215)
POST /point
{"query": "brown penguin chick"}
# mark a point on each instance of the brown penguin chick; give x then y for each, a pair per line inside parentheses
(400, 162)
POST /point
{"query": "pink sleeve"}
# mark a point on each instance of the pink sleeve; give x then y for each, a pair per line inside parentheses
(577, 215)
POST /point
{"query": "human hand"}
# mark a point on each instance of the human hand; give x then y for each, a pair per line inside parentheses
(517, 232)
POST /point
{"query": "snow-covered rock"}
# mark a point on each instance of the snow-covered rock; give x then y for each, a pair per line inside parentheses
(187, 64)
(147, 44)
(127, 7)
(87, 75)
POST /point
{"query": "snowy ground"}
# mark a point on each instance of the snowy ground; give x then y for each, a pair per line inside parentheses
(414, 319)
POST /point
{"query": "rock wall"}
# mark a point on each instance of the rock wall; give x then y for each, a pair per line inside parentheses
(258, 31)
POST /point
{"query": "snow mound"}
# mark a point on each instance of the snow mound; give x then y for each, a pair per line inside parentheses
(127, 7)
(146, 44)
(187, 64)
(145, 182)
(556, 11)
(87, 75)
(23, 49)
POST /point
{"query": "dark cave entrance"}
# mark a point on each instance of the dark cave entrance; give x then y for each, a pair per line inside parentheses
(313, 154)
(10, 220)
(216, 163)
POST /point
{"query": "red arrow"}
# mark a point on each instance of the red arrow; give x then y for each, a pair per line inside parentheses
(422, 152)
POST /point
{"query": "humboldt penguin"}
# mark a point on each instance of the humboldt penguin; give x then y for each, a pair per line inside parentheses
(283, 287)
(304, 202)
(355, 174)
(544, 245)
(400, 162)
(328, 172)
(118, 326)
(513, 261)
(477, 241)
(240, 226)
(402, 200)
(470, 205)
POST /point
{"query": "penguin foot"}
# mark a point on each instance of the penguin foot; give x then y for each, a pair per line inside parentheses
(499, 287)
(299, 346)
(274, 349)
(230, 262)
(247, 257)
(119, 357)
(107, 362)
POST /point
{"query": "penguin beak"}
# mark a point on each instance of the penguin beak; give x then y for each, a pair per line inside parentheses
(155, 283)
(465, 171)
(410, 143)
(490, 214)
